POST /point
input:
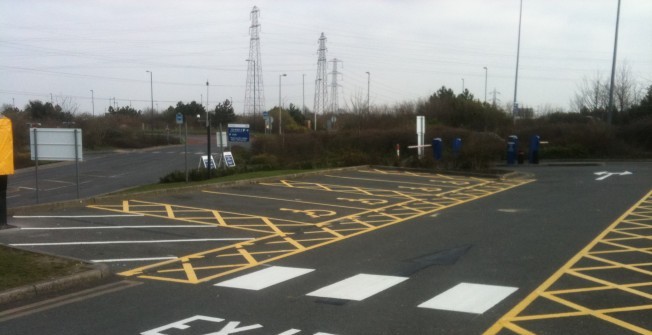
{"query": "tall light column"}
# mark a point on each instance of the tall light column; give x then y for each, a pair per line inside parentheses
(368, 90)
(151, 90)
(486, 71)
(93, 101)
(254, 62)
(280, 109)
(518, 55)
(314, 112)
(209, 162)
(613, 69)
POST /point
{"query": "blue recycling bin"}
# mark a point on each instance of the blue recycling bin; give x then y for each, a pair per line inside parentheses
(457, 146)
(436, 148)
(512, 149)
(535, 142)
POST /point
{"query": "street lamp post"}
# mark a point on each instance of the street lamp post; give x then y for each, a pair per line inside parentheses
(280, 109)
(209, 162)
(485, 83)
(93, 101)
(613, 69)
(518, 56)
(315, 111)
(254, 62)
(151, 91)
(368, 87)
(462, 85)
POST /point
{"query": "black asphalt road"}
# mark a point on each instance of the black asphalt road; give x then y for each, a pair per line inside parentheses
(515, 238)
(101, 173)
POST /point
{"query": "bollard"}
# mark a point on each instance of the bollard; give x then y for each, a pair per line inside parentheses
(437, 148)
(512, 149)
(535, 141)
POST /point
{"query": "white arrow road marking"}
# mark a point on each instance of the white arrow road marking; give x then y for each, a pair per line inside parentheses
(605, 174)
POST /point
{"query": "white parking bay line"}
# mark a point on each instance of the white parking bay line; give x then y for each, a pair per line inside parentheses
(130, 242)
(264, 278)
(133, 259)
(118, 227)
(469, 298)
(75, 216)
(358, 287)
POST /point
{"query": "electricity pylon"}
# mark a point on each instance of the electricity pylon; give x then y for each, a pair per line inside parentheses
(321, 90)
(334, 99)
(254, 94)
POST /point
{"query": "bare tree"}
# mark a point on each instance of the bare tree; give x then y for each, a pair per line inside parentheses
(593, 93)
(627, 92)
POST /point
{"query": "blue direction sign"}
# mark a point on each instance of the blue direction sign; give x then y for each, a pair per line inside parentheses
(179, 118)
(238, 132)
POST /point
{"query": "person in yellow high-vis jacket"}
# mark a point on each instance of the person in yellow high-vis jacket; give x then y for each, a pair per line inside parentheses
(6, 164)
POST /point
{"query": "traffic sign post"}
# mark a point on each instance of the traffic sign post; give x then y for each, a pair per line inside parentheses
(238, 132)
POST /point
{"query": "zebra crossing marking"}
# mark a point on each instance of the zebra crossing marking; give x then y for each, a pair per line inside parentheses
(264, 278)
(464, 297)
(469, 298)
(358, 287)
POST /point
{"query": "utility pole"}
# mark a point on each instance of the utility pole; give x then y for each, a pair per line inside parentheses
(462, 85)
(303, 93)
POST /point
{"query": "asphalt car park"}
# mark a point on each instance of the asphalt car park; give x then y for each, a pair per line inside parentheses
(363, 251)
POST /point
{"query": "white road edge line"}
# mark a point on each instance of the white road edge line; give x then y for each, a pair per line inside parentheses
(118, 227)
(129, 242)
(133, 259)
(74, 216)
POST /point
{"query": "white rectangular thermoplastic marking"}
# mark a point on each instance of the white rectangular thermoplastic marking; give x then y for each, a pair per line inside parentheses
(469, 298)
(358, 287)
(133, 259)
(264, 278)
(75, 216)
(117, 227)
(129, 242)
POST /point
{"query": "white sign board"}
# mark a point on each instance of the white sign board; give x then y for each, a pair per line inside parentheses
(228, 158)
(54, 144)
(225, 139)
(204, 160)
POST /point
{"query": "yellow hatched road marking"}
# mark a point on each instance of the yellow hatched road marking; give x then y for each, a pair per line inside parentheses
(511, 320)
(282, 237)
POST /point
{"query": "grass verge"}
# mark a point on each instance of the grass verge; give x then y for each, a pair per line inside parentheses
(19, 267)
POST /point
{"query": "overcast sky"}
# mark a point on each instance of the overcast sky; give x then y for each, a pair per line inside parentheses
(411, 48)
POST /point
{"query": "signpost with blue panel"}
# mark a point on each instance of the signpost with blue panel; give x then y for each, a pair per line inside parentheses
(238, 132)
